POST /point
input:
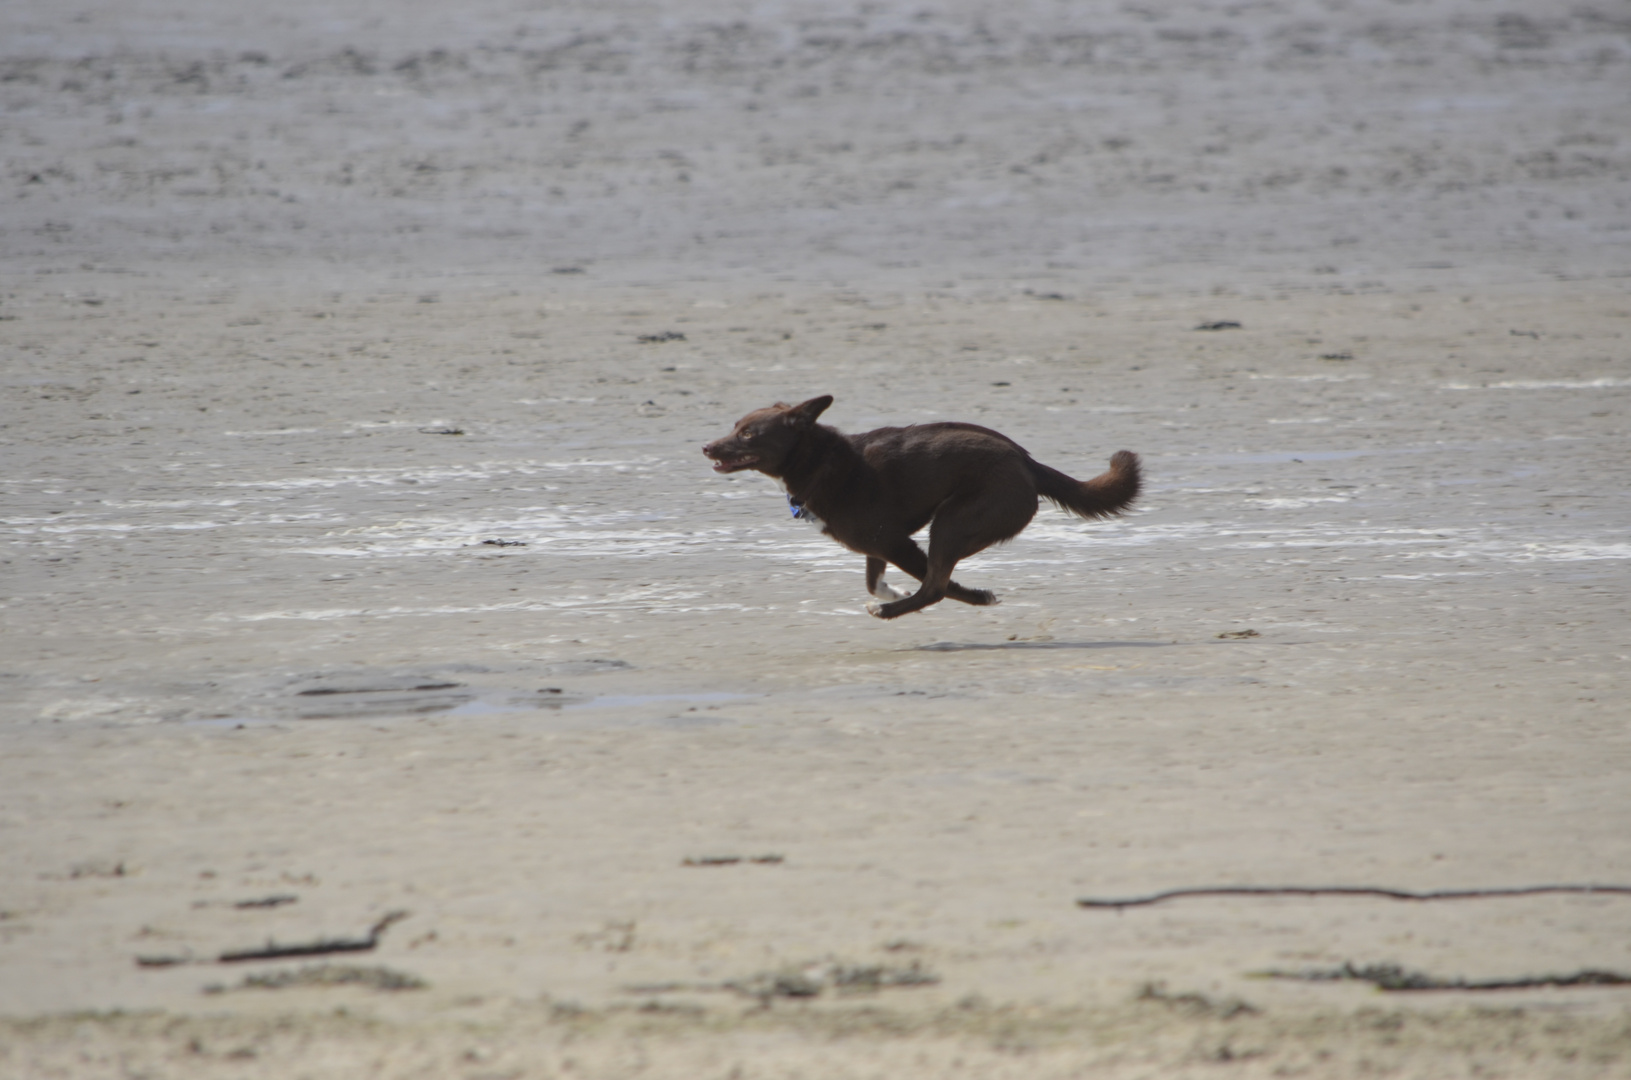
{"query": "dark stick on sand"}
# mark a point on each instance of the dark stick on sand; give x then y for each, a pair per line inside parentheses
(1343, 890)
(320, 947)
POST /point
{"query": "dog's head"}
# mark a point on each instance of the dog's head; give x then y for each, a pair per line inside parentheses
(764, 437)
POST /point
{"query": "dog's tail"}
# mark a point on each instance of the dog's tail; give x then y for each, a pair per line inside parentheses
(1108, 493)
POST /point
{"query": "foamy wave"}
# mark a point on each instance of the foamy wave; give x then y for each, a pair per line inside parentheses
(665, 600)
(1543, 384)
(409, 476)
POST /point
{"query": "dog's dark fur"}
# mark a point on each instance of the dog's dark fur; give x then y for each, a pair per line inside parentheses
(872, 491)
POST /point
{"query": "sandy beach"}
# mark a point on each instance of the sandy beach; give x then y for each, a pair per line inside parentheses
(360, 558)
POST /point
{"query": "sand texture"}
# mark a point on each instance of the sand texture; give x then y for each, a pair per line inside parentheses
(360, 558)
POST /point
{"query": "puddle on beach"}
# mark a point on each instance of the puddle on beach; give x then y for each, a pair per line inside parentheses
(446, 690)
(473, 706)
(611, 701)
(442, 690)
(1021, 646)
(497, 704)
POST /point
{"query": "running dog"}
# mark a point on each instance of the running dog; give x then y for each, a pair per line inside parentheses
(872, 491)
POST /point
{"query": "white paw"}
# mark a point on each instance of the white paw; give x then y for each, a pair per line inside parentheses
(886, 591)
(874, 609)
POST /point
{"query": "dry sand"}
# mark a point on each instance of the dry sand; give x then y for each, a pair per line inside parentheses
(301, 307)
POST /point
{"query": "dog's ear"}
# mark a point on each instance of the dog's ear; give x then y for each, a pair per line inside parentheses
(806, 412)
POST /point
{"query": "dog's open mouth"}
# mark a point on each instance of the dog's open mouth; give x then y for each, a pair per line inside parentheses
(727, 462)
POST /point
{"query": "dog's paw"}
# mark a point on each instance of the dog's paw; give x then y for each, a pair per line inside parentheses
(875, 609)
(886, 591)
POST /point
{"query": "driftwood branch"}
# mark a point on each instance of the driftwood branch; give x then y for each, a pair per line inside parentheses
(1344, 890)
(321, 947)
(273, 951)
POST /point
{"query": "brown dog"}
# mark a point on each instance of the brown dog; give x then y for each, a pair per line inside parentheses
(872, 491)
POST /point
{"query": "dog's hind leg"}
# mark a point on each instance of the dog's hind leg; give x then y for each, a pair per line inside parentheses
(977, 597)
(962, 526)
(936, 587)
(936, 579)
(910, 558)
(875, 583)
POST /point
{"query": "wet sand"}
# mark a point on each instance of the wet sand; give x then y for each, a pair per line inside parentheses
(362, 557)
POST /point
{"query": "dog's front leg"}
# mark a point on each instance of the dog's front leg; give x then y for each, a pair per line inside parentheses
(875, 583)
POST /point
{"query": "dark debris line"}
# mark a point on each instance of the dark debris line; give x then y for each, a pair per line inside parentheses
(807, 982)
(1344, 890)
(1394, 977)
(319, 975)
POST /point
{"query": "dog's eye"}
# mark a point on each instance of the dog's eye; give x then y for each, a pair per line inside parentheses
(746, 436)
